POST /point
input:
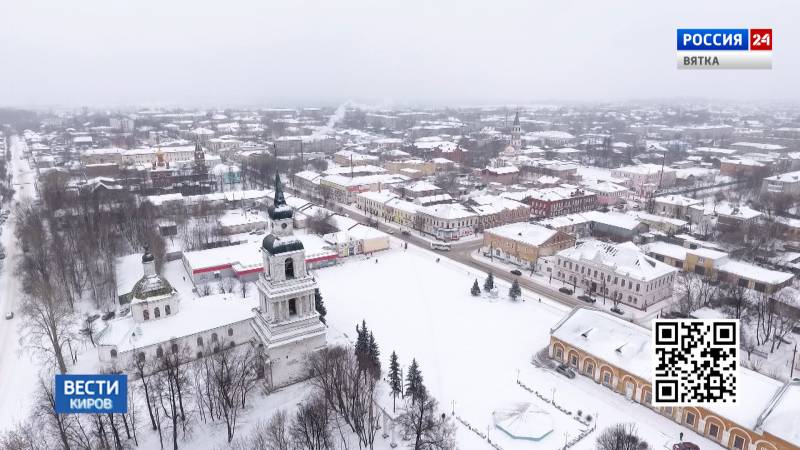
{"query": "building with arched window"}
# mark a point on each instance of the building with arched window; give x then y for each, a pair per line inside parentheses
(617, 354)
(287, 323)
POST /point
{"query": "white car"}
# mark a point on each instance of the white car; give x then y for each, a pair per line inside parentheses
(9, 316)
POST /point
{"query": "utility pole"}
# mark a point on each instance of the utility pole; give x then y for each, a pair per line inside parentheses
(794, 353)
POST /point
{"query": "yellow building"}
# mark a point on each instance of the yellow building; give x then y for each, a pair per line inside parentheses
(617, 354)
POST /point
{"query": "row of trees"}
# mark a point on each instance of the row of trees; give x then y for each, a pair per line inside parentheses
(514, 292)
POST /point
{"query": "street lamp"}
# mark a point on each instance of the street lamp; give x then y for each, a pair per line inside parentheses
(553, 398)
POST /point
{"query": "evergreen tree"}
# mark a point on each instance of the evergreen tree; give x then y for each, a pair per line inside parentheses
(476, 290)
(362, 346)
(319, 305)
(395, 383)
(515, 291)
(488, 285)
(374, 357)
(414, 386)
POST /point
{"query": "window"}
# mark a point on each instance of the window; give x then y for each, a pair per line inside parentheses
(157, 312)
(159, 352)
(648, 397)
(174, 347)
(230, 331)
(146, 314)
(231, 344)
(289, 268)
(167, 310)
(293, 307)
(713, 430)
(141, 356)
(113, 353)
(738, 442)
(743, 282)
(573, 360)
(214, 337)
(199, 354)
(760, 287)
(199, 341)
(607, 379)
(559, 353)
(589, 369)
(690, 418)
(637, 287)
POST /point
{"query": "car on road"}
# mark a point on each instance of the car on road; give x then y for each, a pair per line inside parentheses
(566, 371)
(516, 272)
(685, 446)
(9, 316)
(586, 299)
(109, 315)
(390, 231)
(405, 233)
(565, 290)
(617, 311)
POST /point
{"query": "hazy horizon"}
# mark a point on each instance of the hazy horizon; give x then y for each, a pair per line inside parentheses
(247, 53)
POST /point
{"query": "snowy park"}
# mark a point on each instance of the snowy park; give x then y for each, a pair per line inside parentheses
(475, 352)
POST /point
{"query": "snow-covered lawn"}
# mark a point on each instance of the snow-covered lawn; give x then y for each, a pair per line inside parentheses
(470, 349)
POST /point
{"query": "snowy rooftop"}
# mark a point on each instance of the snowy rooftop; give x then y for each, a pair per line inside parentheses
(448, 211)
(195, 315)
(625, 259)
(523, 232)
(614, 219)
(422, 186)
(790, 177)
(678, 252)
(643, 169)
(677, 200)
(657, 219)
(753, 272)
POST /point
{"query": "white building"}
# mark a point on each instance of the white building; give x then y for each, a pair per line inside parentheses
(287, 323)
(645, 178)
(782, 184)
(616, 271)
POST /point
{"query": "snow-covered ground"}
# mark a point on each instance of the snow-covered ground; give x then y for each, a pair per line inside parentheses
(18, 373)
(471, 349)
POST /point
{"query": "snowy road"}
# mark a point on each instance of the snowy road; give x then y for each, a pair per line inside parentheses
(18, 373)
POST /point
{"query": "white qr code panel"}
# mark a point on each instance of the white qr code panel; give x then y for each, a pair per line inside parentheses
(695, 362)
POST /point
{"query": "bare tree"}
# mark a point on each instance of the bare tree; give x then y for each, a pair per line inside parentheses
(428, 430)
(621, 437)
(310, 428)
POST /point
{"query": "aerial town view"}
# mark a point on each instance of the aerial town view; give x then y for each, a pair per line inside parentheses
(415, 225)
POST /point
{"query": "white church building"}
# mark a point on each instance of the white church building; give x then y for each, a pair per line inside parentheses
(284, 326)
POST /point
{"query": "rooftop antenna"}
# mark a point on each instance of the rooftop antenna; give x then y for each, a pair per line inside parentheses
(351, 164)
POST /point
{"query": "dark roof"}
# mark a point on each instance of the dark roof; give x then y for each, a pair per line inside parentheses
(147, 256)
(279, 210)
(275, 245)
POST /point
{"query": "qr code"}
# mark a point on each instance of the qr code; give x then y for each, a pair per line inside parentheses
(695, 361)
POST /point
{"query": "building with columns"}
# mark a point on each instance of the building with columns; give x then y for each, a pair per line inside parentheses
(617, 354)
(286, 325)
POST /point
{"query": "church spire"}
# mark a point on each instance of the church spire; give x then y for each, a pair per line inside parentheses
(279, 199)
(516, 118)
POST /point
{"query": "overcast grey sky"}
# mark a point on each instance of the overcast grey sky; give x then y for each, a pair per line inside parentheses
(264, 52)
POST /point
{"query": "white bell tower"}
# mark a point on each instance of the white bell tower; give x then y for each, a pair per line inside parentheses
(287, 324)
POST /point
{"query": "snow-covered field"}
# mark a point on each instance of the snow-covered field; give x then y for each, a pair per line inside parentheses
(470, 349)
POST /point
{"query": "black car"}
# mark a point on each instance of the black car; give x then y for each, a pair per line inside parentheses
(516, 272)
(109, 315)
(586, 299)
(564, 290)
(566, 371)
(617, 311)
(685, 446)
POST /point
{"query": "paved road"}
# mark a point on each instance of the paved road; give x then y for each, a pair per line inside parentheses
(18, 373)
(460, 251)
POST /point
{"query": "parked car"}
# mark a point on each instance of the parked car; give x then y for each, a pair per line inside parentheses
(92, 318)
(405, 233)
(617, 311)
(685, 446)
(9, 316)
(566, 371)
(565, 290)
(109, 315)
(516, 272)
(586, 299)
